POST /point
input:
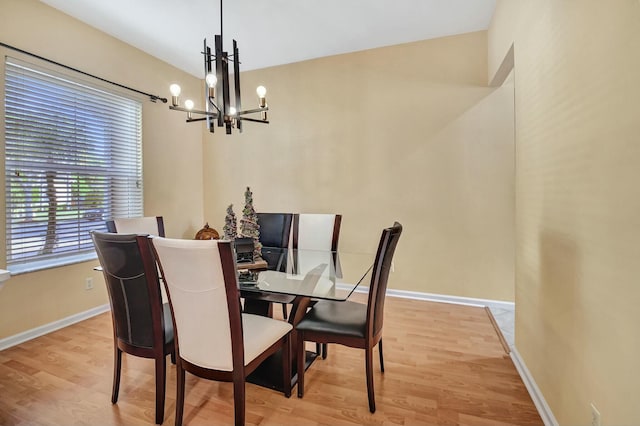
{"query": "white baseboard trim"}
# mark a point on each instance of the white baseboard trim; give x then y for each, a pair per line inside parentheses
(458, 300)
(16, 339)
(534, 391)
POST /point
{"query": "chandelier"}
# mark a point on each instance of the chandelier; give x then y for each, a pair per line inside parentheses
(218, 110)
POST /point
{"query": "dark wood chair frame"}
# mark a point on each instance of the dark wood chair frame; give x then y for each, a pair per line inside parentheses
(159, 349)
(240, 371)
(374, 316)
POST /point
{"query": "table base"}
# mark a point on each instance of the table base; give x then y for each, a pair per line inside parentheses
(269, 373)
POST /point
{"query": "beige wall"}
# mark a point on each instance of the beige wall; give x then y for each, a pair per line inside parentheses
(578, 209)
(409, 133)
(172, 152)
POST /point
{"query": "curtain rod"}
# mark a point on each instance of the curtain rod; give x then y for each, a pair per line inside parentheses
(152, 98)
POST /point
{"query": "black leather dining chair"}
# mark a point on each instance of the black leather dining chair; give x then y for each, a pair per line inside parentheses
(349, 323)
(274, 233)
(151, 225)
(142, 324)
(275, 229)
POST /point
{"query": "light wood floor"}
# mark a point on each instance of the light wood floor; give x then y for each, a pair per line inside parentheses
(444, 366)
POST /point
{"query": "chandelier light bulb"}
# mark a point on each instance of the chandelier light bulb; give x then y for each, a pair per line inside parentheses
(262, 92)
(188, 104)
(231, 118)
(175, 90)
(211, 80)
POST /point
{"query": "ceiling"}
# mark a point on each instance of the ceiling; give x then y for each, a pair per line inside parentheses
(275, 32)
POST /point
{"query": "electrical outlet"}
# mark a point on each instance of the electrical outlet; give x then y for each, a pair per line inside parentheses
(595, 416)
(88, 283)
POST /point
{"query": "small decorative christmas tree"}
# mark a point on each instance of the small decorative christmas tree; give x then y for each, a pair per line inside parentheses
(249, 227)
(230, 228)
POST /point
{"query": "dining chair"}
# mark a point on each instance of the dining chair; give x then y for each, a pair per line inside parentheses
(275, 230)
(152, 225)
(214, 339)
(313, 231)
(274, 233)
(353, 324)
(142, 324)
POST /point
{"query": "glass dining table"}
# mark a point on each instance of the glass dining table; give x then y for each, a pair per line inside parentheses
(299, 278)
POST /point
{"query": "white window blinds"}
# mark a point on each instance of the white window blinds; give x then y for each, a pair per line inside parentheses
(73, 160)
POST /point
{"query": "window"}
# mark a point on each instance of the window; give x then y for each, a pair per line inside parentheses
(72, 160)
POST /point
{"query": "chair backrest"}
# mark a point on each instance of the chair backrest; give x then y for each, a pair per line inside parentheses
(201, 282)
(133, 286)
(316, 234)
(152, 225)
(275, 229)
(316, 231)
(380, 276)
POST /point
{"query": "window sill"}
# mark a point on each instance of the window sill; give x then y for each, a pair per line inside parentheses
(35, 266)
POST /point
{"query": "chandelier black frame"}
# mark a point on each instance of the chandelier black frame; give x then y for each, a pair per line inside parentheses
(220, 112)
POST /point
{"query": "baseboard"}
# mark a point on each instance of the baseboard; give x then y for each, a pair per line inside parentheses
(458, 300)
(16, 339)
(535, 393)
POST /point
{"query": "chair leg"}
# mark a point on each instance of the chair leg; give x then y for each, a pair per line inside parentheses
(284, 310)
(239, 400)
(173, 357)
(161, 373)
(300, 353)
(369, 371)
(286, 366)
(321, 350)
(179, 394)
(381, 357)
(325, 350)
(117, 366)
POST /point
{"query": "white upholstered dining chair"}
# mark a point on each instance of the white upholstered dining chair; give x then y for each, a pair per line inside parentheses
(317, 234)
(313, 231)
(152, 225)
(214, 339)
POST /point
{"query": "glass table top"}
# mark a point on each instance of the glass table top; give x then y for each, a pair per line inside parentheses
(314, 273)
